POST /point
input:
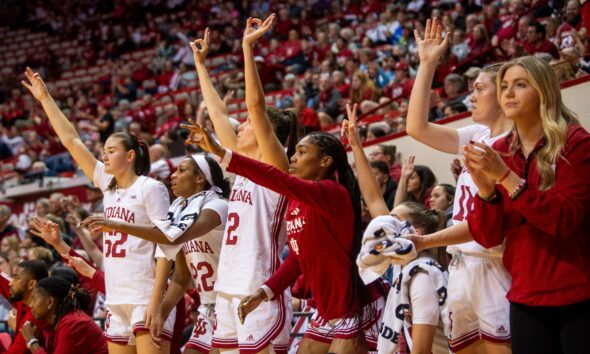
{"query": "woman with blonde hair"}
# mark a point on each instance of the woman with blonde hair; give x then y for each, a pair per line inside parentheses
(534, 197)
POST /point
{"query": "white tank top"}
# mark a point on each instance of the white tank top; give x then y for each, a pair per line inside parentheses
(253, 239)
(128, 262)
(466, 191)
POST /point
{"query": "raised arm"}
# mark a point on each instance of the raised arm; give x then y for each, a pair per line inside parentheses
(215, 105)
(367, 182)
(63, 127)
(401, 195)
(270, 147)
(430, 50)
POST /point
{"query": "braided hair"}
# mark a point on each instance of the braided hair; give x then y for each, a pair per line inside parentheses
(141, 164)
(329, 145)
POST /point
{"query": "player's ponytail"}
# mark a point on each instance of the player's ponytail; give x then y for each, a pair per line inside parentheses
(284, 122)
(141, 164)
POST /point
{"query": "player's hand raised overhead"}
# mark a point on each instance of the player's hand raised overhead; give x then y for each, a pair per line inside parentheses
(349, 127)
(200, 48)
(35, 84)
(256, 28)
(433, 46)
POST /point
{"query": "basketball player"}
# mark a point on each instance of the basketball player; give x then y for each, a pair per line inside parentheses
(129, 264)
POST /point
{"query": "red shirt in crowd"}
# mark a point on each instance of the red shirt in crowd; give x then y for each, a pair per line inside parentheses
(546, 46)
(75, 333)
(320, 224)
(23, 314)
(545, 232)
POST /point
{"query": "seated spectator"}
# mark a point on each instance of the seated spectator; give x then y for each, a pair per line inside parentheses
(326, 102)
(6, 227)
(387, 154)
(415, 184)
(61, 304)
(454, 87)
(453, 108)
(460, 49)
(271, 75)
(537, 42)
(442, 198)
(386, 183)
(377, 130)
(308, 118)
(161, 167)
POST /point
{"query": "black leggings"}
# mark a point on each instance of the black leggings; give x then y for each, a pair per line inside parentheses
(551, 330)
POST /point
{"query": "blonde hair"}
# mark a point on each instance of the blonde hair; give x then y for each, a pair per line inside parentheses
(555, 116)
(42, 254)
(356, 96)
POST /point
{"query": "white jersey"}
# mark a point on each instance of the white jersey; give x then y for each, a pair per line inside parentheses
(201, 254)
(466, 191)
(129, 263)
(254, 238)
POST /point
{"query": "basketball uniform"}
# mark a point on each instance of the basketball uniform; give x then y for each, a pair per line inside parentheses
(478, 281)
(201, 256)
(129, 262)
(253, 240)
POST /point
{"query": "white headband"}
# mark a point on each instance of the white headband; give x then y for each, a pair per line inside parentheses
(204, 167)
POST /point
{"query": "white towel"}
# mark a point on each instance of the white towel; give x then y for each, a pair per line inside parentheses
(382, 247)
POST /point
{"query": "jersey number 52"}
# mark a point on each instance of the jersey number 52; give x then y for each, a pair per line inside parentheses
(115, 248)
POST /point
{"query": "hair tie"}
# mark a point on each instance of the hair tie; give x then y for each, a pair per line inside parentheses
(140, 142)
(73, 294)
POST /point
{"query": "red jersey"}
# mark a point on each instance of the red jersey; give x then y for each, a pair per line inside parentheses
(75, 333)
(547, 248)
(23, 314)
(320, 229)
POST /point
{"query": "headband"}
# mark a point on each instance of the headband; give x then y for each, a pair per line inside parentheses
(204, 167)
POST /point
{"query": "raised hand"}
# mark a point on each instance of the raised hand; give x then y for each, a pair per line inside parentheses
(228, 96)
(201, 137)
(256, 28)
(200, 48)
(408, 167)
(433, 46)
(45, 229)
(35, 85)
(349, 127)
(250, 303)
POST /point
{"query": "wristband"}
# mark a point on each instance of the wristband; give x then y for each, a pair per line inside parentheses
(31, 342)
(514, 193)
(505, 175)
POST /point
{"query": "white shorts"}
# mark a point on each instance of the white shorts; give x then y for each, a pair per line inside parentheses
(203, 330)
(478, 308)
(269, 323)
(325, 331)
(123, 321)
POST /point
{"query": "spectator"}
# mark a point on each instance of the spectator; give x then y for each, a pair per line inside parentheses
(308, 118)
(415, 184)
(442, 198)
(387, 154)
(42, 207)
(6, 227)
(326, 102)
(385, 182)
(161, 167)
(537, 42)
